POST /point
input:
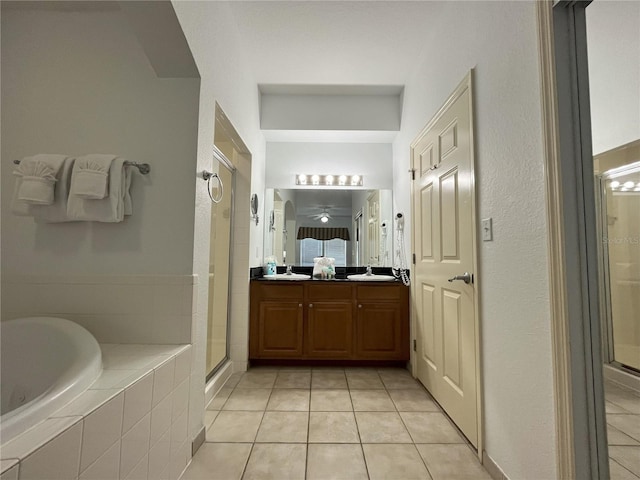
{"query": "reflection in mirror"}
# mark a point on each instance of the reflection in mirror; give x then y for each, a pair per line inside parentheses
(359, 222)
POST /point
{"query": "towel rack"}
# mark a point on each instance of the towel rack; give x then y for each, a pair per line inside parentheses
(207, 176)
(143, 168)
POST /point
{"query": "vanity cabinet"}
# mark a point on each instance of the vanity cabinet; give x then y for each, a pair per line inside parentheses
(314, 320)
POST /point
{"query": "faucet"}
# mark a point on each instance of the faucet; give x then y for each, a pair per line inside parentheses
(289, 272)
(369, 272)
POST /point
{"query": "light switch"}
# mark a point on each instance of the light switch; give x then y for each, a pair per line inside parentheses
(487, 230)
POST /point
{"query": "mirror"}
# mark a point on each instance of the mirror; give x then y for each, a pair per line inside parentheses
(361, 219)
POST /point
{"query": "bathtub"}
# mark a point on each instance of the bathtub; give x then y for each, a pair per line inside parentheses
(46, 362)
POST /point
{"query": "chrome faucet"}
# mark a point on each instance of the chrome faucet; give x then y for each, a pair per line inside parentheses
(289, 272)
(369, 272)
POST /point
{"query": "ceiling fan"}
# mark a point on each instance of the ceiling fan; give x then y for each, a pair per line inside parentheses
(324, 217)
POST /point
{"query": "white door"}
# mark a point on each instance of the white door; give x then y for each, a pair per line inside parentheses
(444, 244)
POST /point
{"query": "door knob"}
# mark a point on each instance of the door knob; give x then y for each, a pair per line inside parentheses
(466, 278)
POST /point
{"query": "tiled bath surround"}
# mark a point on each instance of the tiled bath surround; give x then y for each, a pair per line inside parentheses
(131, 423)
(114, 308)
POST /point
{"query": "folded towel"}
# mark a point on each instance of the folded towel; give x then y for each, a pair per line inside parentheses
(39, 175)
(110, 209)
(56, 212)
(18, 207)
(90, 177)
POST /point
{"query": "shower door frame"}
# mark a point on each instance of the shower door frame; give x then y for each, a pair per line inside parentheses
(226, 163)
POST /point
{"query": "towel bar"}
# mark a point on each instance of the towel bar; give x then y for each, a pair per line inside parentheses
(143, 168)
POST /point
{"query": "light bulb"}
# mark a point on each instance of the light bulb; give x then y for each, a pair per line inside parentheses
(615, 184)
(328, 179)
(315, 179)
(342, 179)
(324, 219)
(302, 179)
(355, 179)
(629, 184)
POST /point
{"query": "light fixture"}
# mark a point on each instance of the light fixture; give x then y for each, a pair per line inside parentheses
(615, 184)
(329, 180)
(629, 184)
(324, 218)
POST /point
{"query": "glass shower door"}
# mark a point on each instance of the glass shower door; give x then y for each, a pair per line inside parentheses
(219, 269)
(621, 242)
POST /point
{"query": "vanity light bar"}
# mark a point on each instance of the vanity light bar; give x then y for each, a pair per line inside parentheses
(329, 180)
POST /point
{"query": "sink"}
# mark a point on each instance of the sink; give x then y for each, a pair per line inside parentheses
(363, 277)
(284, 276)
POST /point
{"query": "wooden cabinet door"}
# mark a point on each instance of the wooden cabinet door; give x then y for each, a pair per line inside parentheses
(330, 330)
(379, 331)
(280, 332)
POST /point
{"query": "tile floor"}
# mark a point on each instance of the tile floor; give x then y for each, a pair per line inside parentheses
(330, 423)
(623, 431)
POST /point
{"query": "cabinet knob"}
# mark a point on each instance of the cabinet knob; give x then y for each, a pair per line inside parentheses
(300, 305)
(311, 305)
(360, 306)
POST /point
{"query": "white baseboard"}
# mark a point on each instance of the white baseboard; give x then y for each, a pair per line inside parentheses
(621, 377)
(492, 467)
(217, 382)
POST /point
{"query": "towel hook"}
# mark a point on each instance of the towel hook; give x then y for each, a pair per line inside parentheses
(208, 176)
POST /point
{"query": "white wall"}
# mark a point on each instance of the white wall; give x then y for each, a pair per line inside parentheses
(212, 34)
(613, 41)
(499, 40)
(285, 159)
(79, 82)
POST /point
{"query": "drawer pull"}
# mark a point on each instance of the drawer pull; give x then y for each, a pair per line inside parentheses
(360, 306)
(311, 305)
(300, 305)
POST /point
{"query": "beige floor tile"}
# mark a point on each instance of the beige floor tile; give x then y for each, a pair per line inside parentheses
(372, 401)
(280, 461)
(328, 379)
(618, 472)
(413, 400)
(335, 462)
(283, 427)
(613, 408)
(616, 437)
(430, 427)
(399, 382)
(248, 399)
(289, 400)
(293, 379)
(220, 398)
(394, 462)
(622, 398)
(330, 401)
(628, 457)
(233, 380)
(209, 417)
(629, 424)
(449, 462)
(234, 427)
(257, 379)
(381, 427)
(218, 461)
(367, 379)
(333, 427)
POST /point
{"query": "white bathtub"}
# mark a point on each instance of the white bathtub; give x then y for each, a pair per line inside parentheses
(46, 362)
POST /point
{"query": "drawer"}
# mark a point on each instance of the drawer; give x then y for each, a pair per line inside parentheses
(379, 292)
(280, 291)
(329, 291)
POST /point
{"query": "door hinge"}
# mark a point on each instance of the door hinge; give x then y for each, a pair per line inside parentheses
(414, 258)
(413, 173)
(415, 345)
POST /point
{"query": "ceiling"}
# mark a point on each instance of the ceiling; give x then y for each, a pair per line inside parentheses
(333, 42)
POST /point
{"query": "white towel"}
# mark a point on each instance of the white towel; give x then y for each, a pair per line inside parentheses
(91, 175)
(57, 212)
(110, 209)
(18, 207)
(39, 175)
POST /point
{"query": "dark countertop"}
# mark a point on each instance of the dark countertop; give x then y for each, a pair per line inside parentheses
(341, 274)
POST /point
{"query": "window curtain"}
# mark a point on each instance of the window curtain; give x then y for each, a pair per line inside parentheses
(323, 233)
